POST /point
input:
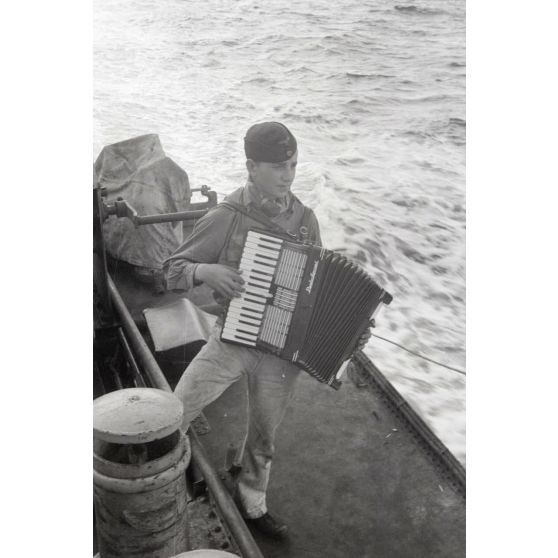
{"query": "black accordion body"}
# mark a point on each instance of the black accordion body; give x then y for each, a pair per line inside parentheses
(302, 303)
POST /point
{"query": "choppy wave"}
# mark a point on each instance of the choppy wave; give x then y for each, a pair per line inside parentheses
(410, 9)
(369, 76)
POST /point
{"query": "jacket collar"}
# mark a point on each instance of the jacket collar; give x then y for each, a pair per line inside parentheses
(252, 196)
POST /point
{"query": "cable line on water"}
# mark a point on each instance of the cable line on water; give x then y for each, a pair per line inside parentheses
(420, 356)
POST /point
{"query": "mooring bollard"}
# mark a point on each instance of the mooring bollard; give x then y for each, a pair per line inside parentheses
(140, 456)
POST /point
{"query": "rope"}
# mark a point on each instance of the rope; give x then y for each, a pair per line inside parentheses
(420, 356)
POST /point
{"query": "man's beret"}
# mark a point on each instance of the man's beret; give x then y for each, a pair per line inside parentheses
(269, 142)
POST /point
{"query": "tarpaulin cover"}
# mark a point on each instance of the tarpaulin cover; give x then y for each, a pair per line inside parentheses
(138, 171)
(178, 323)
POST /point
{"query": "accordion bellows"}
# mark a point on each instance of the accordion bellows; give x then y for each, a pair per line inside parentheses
(305, 304)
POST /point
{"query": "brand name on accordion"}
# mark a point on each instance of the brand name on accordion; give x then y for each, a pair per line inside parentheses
(312, 277)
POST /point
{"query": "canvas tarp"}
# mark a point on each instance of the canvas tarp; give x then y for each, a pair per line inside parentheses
(178, 323)
(138, 171)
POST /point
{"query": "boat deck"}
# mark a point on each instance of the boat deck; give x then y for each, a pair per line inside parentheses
(352, 476)
(349, 477)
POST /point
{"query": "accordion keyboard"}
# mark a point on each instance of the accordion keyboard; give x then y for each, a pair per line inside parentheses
(259, 262)
(303, 303)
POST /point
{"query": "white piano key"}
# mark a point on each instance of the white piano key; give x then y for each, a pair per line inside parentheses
(251, 296)
(254, 298)
(238, 315)
(266, 275)
(264, 248)
(256, 309)
(250, 290)
(252, 259)
(260, 261)
(260, 306)
(238, 326)
(250, 287)
(264, 238)
(236, 330)
(232, 331)
(249, 266)
(258, 281)
(256, 273)
(262, 251)
(259, 291)
(251, 248)
(232, 337)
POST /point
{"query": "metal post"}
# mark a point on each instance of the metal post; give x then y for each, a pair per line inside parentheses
(169, 217)
(138, 380)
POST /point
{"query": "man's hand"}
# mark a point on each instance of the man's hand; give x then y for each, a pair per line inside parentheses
(364, 339)
(228, 282)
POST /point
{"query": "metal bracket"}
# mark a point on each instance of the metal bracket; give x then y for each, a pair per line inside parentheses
(121, 208)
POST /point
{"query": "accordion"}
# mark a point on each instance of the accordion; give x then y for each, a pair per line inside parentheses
(301, 303)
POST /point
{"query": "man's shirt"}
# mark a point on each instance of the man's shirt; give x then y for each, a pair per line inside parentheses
(218, 236)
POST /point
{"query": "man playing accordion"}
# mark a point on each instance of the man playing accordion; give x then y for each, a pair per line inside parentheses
(211, 255)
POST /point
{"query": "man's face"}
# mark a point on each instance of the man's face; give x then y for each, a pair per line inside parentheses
(273, 179)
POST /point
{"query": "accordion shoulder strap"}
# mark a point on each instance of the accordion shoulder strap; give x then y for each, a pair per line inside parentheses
(257, 216)
(306, 217)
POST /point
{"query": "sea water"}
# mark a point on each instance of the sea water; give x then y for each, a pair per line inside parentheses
(374, 91)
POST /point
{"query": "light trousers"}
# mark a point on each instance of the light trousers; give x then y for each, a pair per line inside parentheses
(270, 385)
